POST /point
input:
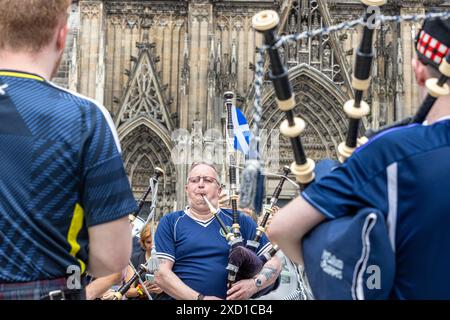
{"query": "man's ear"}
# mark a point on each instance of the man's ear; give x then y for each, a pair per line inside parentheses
(419, 71)
(62, 36)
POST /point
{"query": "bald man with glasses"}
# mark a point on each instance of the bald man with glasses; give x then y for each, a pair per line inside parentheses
(193, 250)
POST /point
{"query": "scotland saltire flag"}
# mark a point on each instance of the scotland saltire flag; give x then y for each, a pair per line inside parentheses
(241, 131)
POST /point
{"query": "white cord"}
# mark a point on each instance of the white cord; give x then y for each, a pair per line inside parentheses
(152, 263)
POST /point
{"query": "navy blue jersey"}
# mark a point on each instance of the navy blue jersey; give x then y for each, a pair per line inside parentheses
(405, 173)
(200, 250)
(61, 173)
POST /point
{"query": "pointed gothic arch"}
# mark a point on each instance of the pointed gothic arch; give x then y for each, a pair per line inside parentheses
(146, 145)
(319, 76)
(153, 125)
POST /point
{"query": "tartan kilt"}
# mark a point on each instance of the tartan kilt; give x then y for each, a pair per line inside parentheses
(37, 290)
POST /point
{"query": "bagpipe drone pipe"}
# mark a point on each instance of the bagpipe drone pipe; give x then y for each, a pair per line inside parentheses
(243, 262)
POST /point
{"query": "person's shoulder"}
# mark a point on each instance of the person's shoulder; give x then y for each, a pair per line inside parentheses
(80, 100)
(227, 212)
(249, 220)
(72, 97)
(393, 137)
(89, 106)
(399, 143)
(391, 146)
(243, 217)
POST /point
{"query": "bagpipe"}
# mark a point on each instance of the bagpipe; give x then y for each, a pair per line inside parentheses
(325, 274)
(243, 261)
(138, 225)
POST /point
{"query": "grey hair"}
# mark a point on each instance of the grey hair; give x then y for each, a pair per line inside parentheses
(209, 164)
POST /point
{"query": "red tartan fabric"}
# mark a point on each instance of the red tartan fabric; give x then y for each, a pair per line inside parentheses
(34, 290)
(431, 48)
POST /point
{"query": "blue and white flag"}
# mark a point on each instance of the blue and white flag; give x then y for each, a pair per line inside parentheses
(241, 131)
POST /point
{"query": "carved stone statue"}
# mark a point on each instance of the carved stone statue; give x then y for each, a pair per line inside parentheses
(327, 57)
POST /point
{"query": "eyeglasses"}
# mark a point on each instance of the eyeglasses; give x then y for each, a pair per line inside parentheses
(206, 179)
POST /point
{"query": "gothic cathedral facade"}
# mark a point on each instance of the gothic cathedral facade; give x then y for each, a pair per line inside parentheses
(162, 67)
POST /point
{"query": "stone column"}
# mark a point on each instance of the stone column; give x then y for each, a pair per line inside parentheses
(180, 155)
(185, 80)
(200, 25)
(73, 55)
(213, 100)
(91, 40)
(399, 93)
(178, 32)
(100, 67)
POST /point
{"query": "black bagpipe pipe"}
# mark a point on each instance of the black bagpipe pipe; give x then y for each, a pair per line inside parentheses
(126, 286)
(243, 262)
(229, 97)
(268, 211)
(303, 168)
(234, 242)
(356, 109)
(266, 22)
(158, 173)
(436, 87)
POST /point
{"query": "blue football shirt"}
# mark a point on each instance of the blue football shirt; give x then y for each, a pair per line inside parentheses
(61, 173)
(200, 250)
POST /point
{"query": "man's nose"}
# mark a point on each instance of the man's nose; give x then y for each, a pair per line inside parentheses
(201, 183)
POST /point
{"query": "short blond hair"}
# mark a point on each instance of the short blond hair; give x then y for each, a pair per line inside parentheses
(29, 25)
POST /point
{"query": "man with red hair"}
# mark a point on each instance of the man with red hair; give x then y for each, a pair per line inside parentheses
(64, 194)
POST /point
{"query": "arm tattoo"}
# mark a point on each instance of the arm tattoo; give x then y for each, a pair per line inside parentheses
(162, 261)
